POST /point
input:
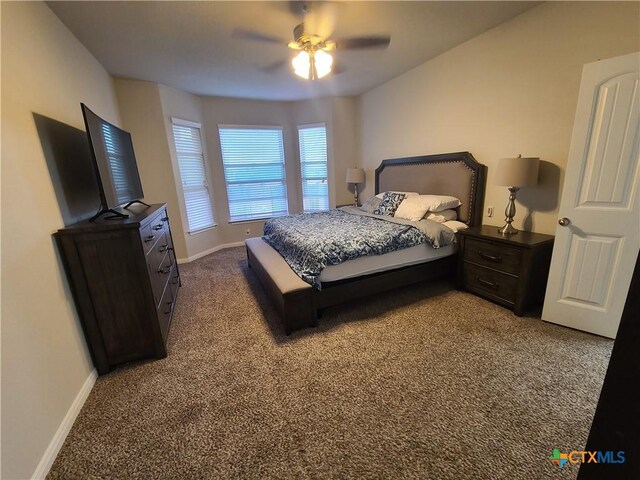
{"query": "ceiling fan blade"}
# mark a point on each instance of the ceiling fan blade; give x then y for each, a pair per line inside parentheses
(274, 66)
(297, 8)
(338, 67)
(362, 42)
(256, 36)
(322, 19)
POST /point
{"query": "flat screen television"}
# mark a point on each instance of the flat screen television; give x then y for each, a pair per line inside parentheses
(115, 164)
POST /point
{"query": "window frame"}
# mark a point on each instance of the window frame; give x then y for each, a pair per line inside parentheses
(208, 187)
(281, 130)
(326, 140)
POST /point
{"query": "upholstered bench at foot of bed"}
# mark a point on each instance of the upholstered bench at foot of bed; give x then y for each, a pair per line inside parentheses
(292, 297)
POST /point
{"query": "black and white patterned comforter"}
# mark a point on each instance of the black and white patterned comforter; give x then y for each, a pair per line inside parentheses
(311, 241)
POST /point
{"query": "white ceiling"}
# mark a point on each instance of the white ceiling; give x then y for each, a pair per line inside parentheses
(189, 45)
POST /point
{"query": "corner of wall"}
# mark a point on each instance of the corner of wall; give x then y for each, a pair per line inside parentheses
(59, 437)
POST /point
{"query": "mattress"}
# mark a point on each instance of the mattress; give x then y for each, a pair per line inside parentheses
(380, 263)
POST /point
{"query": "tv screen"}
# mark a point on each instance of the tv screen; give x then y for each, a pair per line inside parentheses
(115, 162)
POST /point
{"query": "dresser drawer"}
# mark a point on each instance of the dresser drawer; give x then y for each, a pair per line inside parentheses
(169, 242)
(148, 238)
(159, 224)
(163, 244)
(152, 231)
(174, 281)
(498, 256)
(159, 276)
(491, 283)
(165, 309)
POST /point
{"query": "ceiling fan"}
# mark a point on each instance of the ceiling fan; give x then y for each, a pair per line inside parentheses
(314, 59)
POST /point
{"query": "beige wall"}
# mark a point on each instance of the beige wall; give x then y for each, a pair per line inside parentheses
(45, 70)
(346, 145)
(232, 111)
(142, 115)
(307, 112)
(511, 90)
(146, 109)
(339, 115)
(336, 113)
(179, 104)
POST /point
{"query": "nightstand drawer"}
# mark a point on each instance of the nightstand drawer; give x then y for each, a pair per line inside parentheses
(503, 258)
(489, 282)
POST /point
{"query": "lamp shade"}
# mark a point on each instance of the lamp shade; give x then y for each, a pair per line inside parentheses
(355, 175)
(517, 172)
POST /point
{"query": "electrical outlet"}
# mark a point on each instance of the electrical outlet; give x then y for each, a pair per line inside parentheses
(490, 212)
(248, 231)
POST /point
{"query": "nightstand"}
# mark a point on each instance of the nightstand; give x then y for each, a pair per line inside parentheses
(511, 270)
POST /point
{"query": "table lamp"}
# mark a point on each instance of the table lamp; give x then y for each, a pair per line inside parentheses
(515, 173)
(355, 176)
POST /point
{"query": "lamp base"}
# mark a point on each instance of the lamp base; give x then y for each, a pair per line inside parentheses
(507, 229)
(509, 213)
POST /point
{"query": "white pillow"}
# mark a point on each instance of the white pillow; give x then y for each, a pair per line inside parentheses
(441, 217)
(439, 203)
(456, 225)
(406, 194)
(413, 208)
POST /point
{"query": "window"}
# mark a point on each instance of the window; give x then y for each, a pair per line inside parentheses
(313, 164)
(197, 198)
(253, 161)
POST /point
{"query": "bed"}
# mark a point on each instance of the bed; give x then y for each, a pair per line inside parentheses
(299, 304)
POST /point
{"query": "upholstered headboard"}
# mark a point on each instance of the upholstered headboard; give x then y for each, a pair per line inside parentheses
(456, 174)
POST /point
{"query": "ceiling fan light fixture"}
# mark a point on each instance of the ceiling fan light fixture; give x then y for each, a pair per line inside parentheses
(302, 64)
(312, 65)
(323, 63)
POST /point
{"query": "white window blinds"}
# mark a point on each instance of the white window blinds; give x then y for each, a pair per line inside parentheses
(253, 161)
(197, 198)
(313, 165)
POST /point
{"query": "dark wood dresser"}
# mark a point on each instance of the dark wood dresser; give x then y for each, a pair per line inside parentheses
(511, 270)
(124, 279)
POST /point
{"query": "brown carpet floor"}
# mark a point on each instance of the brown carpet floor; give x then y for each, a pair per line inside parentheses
(426, 382)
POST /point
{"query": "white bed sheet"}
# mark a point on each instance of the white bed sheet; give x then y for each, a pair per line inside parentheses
(379, 263)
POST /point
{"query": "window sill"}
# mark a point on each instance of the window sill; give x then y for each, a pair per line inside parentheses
(195, 232)
(254, 220)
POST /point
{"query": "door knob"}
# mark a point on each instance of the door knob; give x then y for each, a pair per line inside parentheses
(564, 221)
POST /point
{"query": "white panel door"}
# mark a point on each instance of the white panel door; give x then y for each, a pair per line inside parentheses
(598, 236)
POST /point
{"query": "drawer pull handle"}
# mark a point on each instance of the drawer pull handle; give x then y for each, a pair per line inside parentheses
(149, 238)
(163, 248)
(170, 305)
(487, 283)
(158, 227)
(491, 258)
(165, 270)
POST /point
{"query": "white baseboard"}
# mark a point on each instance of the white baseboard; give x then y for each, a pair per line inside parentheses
(211, 250)
(58, 439)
